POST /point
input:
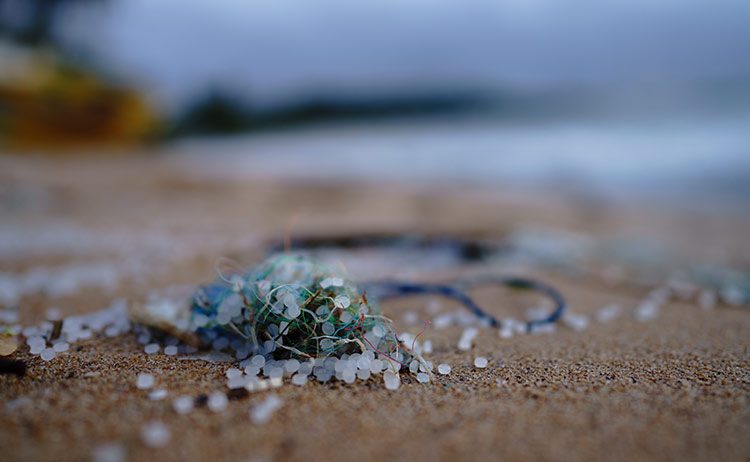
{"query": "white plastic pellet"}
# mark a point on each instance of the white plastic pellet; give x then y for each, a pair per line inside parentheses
(305, 368)
(349, 376)
(36, 348)
(293, 311)
(183, 404)
(237, 382)
(151, 348)
(108, 452)
(261, 413)
(299, 379)
(346, 317)
(577, 322)
(217, 401)
(144, 381)
(467, 337)
(47, 354)
(392, 381)
(61, 346)
(54, 314)
(170, 350)
(423, 377)
(443, 321)
(480, 362)
(547, 328)
(411, 318)
(158, 394)
(291, 365)
(252, 371)
(342, 302)
(155, 434)
(233, 372)
(646, 311)
(444, 369)
(363, 362)
(36, 340)
(608, 313)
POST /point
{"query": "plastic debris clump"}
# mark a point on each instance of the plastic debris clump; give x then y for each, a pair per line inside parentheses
(292, 306)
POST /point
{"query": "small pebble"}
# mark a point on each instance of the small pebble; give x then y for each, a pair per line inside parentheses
(155, 434)
(444, 369)
(144, 381)
(480, 362)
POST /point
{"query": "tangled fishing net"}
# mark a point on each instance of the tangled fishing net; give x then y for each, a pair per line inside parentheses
(294, 306)
(289, 306)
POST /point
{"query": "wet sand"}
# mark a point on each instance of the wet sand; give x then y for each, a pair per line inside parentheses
(675, 388)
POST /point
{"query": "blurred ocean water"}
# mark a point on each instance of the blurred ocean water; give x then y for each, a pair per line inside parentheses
(704, 159)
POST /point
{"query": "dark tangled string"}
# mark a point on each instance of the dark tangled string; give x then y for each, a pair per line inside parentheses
(466, 249)
(391, 289)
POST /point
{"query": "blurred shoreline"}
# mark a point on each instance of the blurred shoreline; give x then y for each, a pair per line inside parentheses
(682, 162)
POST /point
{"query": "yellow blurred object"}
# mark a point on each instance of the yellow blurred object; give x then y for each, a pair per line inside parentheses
(44, 104)
(8, 344)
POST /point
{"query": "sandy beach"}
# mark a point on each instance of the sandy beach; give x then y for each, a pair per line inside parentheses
(674, 388)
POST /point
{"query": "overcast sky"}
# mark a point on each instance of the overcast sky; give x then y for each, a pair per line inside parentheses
(279, 49)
